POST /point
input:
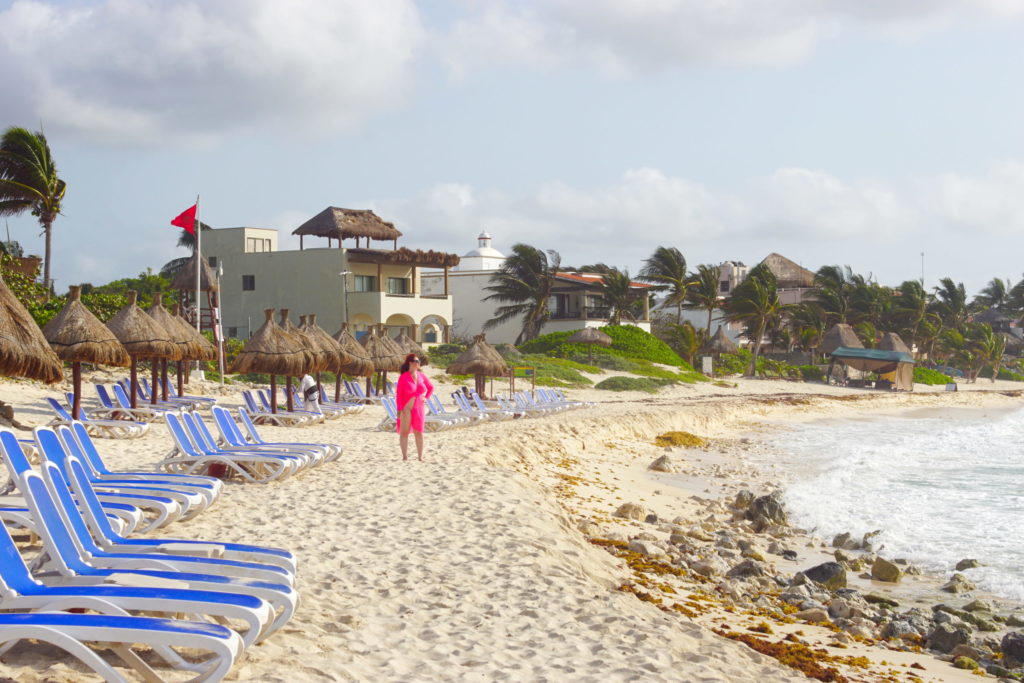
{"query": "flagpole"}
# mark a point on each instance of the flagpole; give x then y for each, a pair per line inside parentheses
(199, 232)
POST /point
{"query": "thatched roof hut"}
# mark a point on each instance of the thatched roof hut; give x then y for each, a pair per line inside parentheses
(788, 274)
(408, 345)
(185, 279)
(78, 336)
(359, 364)
(841, 334)
(317, 359)
(141, 336)
(406, 257)
(479, 359)
(23, 348)
(337, 223)
(892, 342)
(272, 351)
(720, 343)
(188, 346)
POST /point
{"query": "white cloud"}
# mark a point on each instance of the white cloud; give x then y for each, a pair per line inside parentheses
(809, 215)
(628, 36)
(141, 70)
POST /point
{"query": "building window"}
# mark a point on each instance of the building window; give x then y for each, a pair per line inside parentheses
(256, 245)
(233, 332)
(365, 283)
(212, 261)
(398, 285)
(248, 283)
(723, 286)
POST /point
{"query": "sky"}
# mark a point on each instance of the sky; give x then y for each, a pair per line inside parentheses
(887, 135)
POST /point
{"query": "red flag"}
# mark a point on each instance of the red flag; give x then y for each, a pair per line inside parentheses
(187, 219)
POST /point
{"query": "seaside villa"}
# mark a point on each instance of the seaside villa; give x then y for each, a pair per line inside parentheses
(360, 285)
(575, 304)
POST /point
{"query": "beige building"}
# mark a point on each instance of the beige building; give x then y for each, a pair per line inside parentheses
(575, 301)
(362, 285)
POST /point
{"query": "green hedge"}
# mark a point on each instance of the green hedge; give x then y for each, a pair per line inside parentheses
(648, 384)
(628, 341)
(928, 376)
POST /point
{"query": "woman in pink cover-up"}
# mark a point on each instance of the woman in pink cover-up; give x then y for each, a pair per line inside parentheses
(411, 394)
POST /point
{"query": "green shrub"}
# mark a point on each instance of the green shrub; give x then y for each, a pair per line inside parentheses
(812, 373)
(1004, 373)
(628, 341)
(924, 375)
(647, 369)
(558, 372)
(734, 363)
(605, 361)
(648, 384)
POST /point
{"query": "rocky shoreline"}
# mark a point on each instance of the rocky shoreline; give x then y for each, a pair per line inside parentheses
(731, 561)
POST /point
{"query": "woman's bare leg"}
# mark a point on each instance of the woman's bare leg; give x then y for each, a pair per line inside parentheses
(419, 444)
(403, 439)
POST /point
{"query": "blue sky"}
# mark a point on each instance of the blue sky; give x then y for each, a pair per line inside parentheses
(833, 132)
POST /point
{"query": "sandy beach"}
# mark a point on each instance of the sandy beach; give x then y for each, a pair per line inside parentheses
(500, 557)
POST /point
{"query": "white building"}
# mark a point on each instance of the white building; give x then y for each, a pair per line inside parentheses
(361, 285)
(575, 301)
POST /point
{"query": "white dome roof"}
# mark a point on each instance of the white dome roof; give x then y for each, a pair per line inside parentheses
(484, 252)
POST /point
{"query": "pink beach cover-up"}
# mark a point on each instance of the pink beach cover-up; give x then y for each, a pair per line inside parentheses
(407, 390)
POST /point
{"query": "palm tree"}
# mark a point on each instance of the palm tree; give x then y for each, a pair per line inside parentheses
(666, 268)
(990, 346)
(807, 319)
(29, 182)
(703, 294)
(910, 305)
(619, 296)
(833, 286)
(686, 340)
(755, 303)
(993, 295)
(951, 303)
(524, 283)
(186, 240)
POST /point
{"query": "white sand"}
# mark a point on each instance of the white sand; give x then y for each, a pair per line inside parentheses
(470, 565)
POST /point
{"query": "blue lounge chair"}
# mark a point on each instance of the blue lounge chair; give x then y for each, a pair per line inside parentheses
(186, 458)
(114, 429)
(282, 418)
(233, 435)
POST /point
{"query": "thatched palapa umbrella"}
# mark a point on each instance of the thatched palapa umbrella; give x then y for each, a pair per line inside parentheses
(23, 349)
(207, 351)
(143, 338)
(316, 357)
(358, 365)
(272, 351)
(479, 360)
(719, 344)
(590, 336)
(380, 353)
(335, 355)
(188, 347)
(841, 334)
(78, 336)
(408, 345)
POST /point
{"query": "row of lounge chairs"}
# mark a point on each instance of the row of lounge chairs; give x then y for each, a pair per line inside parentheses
(234, 595)
(470, 409)
(257, 402)
(238, 450)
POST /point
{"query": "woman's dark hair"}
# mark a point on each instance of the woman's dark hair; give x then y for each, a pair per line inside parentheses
(408, 359)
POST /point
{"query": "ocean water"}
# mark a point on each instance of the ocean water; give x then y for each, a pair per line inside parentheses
(940, 489)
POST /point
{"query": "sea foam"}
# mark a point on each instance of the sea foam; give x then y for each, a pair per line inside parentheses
(939, 489)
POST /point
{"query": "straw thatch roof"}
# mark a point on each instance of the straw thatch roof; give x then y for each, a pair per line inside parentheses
(271, 350)
(892, 342)
(388, 341)
(788, 274)
(338, 223)
(408, 345)
(317, 358)
(405, 257)
(141, 336)
(359, 364)
(479, 359)
(185, 279)
(841, 334)
(720, 343)
(590, 335)
(380, 353)
(208, 350)
(78, 336)
(23, 348)
(189, 348)
(335, 355)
